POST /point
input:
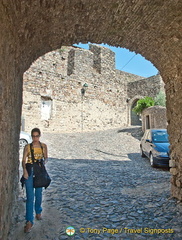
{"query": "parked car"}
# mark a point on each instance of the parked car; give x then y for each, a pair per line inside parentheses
(155, 146)
(25, 138)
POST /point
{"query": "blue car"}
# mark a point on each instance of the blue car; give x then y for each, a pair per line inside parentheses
(155, 146)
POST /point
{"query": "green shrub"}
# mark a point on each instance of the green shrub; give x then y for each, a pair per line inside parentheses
(142, 104)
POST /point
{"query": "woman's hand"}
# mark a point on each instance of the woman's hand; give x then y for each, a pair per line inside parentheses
(25, 174)
(45, 160)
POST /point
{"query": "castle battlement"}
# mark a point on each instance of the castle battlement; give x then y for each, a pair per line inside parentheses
(97, 57)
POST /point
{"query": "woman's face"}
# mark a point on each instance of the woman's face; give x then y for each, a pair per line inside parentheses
(35, 136)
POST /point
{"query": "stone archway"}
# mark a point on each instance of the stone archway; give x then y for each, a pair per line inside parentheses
(31, 28)
(134, 119)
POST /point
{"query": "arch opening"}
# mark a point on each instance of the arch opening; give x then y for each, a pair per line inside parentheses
(135, 119)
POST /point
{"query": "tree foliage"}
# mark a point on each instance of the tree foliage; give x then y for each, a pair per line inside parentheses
(160, 99)
(142, 104)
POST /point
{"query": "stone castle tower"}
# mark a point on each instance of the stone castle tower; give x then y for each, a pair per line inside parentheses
(74, 89)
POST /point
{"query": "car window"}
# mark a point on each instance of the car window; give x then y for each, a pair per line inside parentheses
(148, 135)
(160, 136)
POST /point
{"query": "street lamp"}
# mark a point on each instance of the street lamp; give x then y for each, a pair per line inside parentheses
(83, 90)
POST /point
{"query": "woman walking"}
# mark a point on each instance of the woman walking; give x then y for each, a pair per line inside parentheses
(33, 195)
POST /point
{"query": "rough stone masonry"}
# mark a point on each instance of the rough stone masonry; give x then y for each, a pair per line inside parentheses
(52, 92)
(29, 29)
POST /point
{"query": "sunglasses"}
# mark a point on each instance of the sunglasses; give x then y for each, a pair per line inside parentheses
(35, 136)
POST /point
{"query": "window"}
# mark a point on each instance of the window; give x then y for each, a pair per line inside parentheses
(46, 108)
(160, 136)
(148, 136)
(147, 122)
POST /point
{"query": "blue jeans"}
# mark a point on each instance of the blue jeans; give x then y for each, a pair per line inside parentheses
(32, 192)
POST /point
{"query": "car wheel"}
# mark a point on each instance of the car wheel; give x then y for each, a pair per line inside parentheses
(22, 143)
(152, 160)
(141, 152)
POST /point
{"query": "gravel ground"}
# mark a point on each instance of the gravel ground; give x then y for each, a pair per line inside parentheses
(104, 189)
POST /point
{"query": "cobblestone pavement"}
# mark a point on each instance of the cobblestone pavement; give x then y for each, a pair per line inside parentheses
(105, 190)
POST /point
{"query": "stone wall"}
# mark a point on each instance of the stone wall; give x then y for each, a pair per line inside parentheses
(59, 77)
(146, 87)
(29, 29)
(154, 117)
(54, 81)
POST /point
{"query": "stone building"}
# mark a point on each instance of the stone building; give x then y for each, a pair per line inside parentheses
(154, 117)
(55, 99)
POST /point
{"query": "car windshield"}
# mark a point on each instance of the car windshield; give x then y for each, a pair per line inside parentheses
(160, 136)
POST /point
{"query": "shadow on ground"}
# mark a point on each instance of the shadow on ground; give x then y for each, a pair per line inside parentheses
(135, 132)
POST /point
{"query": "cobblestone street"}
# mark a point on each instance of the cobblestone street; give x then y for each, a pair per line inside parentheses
(105, 190)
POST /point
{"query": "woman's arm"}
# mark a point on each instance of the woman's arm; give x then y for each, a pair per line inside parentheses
(25, 154)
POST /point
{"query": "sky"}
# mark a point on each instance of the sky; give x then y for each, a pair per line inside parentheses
(128, 61)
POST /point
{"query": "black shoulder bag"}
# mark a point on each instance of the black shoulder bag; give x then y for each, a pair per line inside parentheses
(40, 176)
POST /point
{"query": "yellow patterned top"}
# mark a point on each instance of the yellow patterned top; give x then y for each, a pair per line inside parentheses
(37, 154)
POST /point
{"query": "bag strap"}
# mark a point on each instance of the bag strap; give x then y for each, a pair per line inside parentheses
(32, 152)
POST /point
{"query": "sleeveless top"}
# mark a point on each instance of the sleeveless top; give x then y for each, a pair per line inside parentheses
(38, 154)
